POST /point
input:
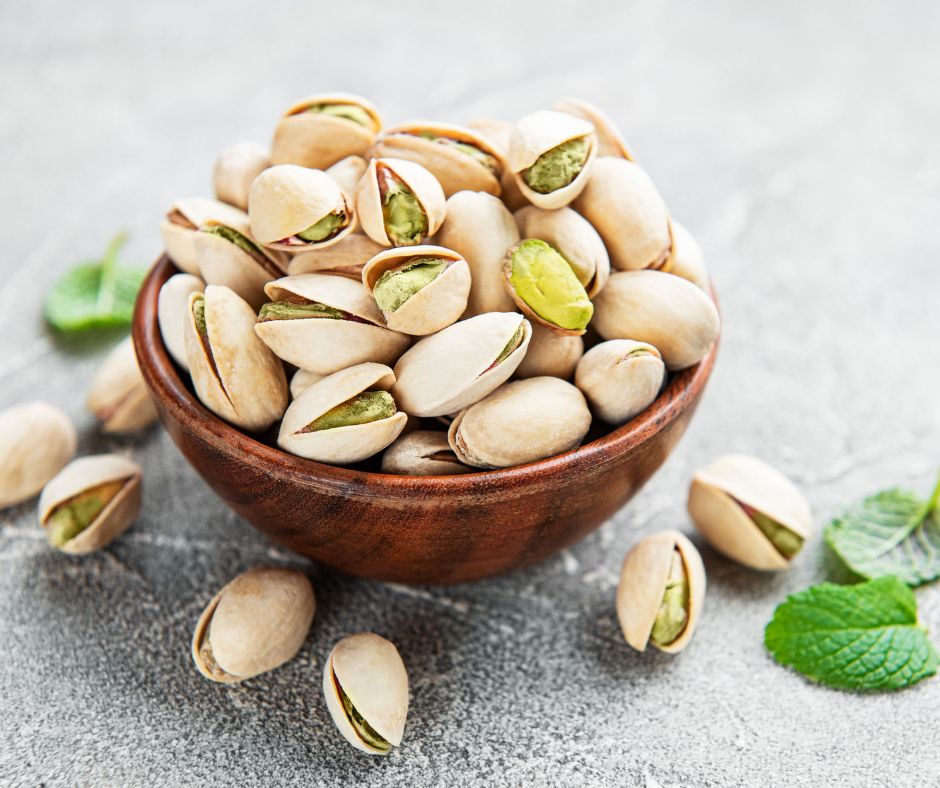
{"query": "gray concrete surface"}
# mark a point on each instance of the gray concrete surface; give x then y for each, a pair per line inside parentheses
(799, 141)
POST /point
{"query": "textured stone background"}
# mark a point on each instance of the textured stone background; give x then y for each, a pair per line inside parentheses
(799, 141)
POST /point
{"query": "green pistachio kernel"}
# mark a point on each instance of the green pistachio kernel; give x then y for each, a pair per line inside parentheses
(288, 310)
(351, 112)
(199, 315)
(785, 541)
(233, 236)
(469, 149)
(364, 408)
(73, 516)
(324, 229)
(365, 731)
(398, 284)
(543, 279)
(558, 167)
(673, 612)
(406, 223)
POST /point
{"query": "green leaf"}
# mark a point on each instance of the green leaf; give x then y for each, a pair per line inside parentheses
(96, 294)
(863, 637)
(894, 532)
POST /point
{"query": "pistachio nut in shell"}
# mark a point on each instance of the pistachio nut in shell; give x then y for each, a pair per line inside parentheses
(551, 353)
(320, 130)
(666, 311)
(235, 169)
(546, 288)
(118, 397)
(450, 370)
(254, 624)
(234, 373)
(36, 442)
(344, 258)
(420, 289)
(523, 421)
(688, 260)
(343, 418)
(172, 307)
(551, 154)
(460, 158)
(566, 231)
(620, 378)
(481, 230)
(661, 592)
(295, 209)
(624, 206)
(610, 142)
(399, 203)
(326, 323)
(301, 380)
(422, 453)
(365, 686)
(184, 218)
(90, 502)
(348, 172)
(750, 511)
(499, 133)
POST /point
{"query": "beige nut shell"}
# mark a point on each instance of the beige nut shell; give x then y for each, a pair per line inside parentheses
(118, 396)
(610, 142)
(550, 353)
(83, 474)
(348, 172)
(256, 623)
(345, 258)
(340, 445)
(713, 498)
(172, 304)
(179, 240)
(235, 169)
(372, 675)
(643, 583)
(422, 453)
(423, 185)
(499, 133)
(688, 260)
(620, 378)
(301, 380)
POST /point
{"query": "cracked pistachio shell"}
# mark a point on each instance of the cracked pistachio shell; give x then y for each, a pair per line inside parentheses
(537, 134)
(118, 397)
(423, 185)
(422, 453)
(345, 444)
(574, 238)
(624, 206)
(182, 221)
(302, 380)
(36, 442)
(348, 172)
(666, 311)
(326, 345)
(256, 623)
(286, 200)
(234, 171)
(480, 229)
(688, 260)
(237, 377)
(371, 674)
(319, 140)
(550, 353)
(643, 583)
(454, 169)
(345, 258)
(450, 370)
(85, 474)
(609, 140)
(523, 421)
(172, 307)
(620, 378)
(436, 305)
(499, 133)
(718, 495)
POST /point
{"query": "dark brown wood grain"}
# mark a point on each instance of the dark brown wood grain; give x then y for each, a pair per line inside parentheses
(445, 529)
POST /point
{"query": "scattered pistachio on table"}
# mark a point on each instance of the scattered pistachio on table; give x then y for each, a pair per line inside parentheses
(118, 397)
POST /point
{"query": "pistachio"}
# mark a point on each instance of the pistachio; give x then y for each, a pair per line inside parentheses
(172, 306)
(36, 442)
(302, 380)
(550, 353)
(609, 140)
(459, 365)
(347, 173)
(182, 221)
(119, 398)
(399, 202)
(523, 421)
(234, 374)
(365, 686)
(90, 502)
(499, 133)
(620, 378)
(256, 623)
(321, 130)
(688, 261)
(661, 592)
(668, 312)
(234, 171)
(326, 323)
(343, 418)
(750, 512)
(344, 258)
(422, 453)
(420, 289)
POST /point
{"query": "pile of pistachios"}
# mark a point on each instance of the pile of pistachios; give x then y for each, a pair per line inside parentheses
(432, 288)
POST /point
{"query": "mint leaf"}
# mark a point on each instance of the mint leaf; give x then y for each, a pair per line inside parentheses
(96, 294)
(863, 637)
(894, 532)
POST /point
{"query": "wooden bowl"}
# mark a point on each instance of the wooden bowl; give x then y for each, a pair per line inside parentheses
(412, 529)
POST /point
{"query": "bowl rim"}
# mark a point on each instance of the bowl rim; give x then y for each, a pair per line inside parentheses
(166, 385)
